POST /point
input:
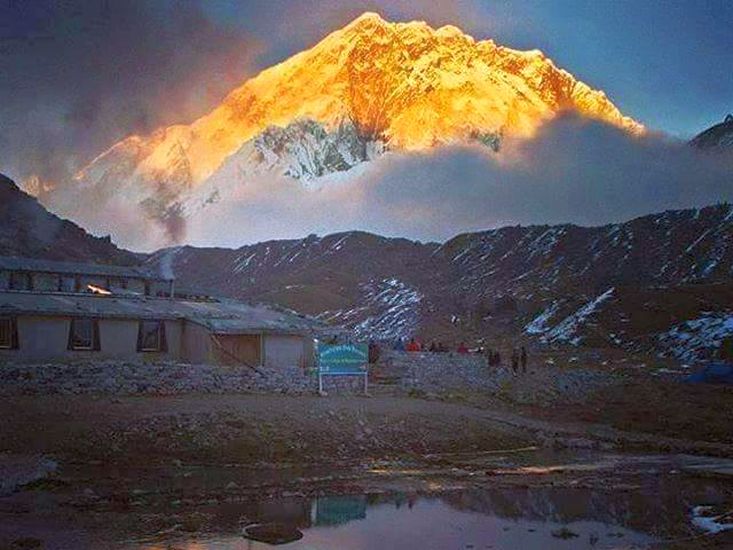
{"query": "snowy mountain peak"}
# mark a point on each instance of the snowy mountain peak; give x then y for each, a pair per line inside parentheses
(405, 83)
(371, 85)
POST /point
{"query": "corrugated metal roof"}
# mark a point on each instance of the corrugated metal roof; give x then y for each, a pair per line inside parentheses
(220, 317)
(16, 263)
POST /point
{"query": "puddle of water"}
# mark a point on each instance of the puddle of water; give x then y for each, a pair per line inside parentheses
(656, 503)
(435, 524)
(509, 518)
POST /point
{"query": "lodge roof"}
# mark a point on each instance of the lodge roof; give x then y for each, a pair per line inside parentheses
(218, 316)
(17, 263)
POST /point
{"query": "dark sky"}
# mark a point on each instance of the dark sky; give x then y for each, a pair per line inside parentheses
(76, 76)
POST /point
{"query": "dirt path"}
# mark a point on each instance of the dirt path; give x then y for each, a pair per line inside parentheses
(593, 435)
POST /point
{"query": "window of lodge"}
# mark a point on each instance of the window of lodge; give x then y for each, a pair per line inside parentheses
(8, 333)
(84, 335)
(151, 336)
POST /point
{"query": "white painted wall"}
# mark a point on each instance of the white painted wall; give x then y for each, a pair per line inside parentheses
(47, 338)
(285, 351)
(195, 344)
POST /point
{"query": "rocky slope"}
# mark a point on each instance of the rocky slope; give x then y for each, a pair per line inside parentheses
(718, 137)
(28, 229)
(635, 285)
(369, 86)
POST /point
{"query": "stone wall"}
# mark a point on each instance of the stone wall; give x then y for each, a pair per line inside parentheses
(126, 378)
(396, 372)
(436, 372)
(445, 373)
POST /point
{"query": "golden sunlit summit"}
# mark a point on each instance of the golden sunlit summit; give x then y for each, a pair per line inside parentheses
(406, 84)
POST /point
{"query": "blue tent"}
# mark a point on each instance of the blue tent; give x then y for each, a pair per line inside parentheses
(714, 373)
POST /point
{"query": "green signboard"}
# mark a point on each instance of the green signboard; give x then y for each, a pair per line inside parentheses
(342, 360)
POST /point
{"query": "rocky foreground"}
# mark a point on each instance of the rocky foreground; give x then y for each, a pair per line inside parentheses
(155, 451)
(429, 375)
(621, 400)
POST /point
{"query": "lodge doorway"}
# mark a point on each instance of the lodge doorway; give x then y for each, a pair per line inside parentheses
(237, 349)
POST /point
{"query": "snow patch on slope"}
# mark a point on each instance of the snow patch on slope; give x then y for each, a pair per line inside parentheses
(398, 315)
(389, 310)
(697, 338)
(538, 325)
(305, 150)
(567, 330)
(705, 518)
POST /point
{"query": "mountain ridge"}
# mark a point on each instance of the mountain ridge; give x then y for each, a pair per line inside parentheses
(622, 285)
(369, 87)
(660, 283)
(28, 229)
(719, 137)
(332, 56)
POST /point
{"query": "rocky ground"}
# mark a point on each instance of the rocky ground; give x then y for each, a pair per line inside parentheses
(148, 459)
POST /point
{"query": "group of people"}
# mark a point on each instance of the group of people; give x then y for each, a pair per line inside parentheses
(493, 357)
(519, 360)
(413, 344)
(438, 347)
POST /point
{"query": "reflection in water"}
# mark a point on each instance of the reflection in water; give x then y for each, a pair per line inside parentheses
(338, 510)
(499, 518)
(434, 524)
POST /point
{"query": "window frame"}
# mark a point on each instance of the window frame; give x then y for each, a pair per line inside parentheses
(161, 345)
(94, 336)
(68, 288)
(5, 277)
(23, 275)
(12, 342)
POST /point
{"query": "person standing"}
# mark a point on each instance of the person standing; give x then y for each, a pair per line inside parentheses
(523, 359)
(726, 350)
(374, 352)
(515, 361)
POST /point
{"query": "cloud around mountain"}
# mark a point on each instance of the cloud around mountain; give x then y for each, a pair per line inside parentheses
(78, 75)
(573, 170)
